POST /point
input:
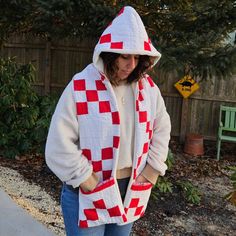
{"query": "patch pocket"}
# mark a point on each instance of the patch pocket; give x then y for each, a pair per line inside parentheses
(136, 203)
(103, 205)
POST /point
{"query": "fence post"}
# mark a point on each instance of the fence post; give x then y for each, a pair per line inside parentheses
(47, 79)
(184, 119)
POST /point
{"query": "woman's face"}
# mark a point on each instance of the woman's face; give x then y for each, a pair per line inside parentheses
(126, 63)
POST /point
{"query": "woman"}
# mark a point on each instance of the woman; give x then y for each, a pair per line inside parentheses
(108, 138)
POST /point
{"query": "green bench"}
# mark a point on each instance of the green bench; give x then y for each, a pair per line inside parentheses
(227, 126)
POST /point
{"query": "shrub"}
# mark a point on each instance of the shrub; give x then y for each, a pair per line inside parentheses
(46, 106)
(164, 185)
(24, 115)
(191, 193)
(18, 115)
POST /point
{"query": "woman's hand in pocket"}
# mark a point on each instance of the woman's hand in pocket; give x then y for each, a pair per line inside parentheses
(141, 179)
(90, 184)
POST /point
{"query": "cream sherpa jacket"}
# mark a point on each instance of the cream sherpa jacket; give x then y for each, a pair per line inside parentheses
(84, 135)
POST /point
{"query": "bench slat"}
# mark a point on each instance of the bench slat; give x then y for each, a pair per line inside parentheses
(232, 120)
(228, 138)
(227, 122)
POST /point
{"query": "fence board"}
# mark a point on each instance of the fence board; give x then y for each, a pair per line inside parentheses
(173, 105)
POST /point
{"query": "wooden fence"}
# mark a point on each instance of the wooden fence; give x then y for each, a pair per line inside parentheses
(200, 112)
(56, 62)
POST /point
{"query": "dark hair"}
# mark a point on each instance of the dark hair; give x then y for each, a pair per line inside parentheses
(110, 67)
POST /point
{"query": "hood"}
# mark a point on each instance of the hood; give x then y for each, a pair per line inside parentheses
(126, 34)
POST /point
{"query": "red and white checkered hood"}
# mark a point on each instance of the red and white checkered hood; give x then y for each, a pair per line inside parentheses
(126, 34)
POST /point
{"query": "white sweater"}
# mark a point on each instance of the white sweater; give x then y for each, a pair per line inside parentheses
(125, 100)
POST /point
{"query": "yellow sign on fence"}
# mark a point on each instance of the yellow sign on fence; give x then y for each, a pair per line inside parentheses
(186, 86)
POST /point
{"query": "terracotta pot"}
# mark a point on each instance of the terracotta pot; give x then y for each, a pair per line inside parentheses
(194, 144)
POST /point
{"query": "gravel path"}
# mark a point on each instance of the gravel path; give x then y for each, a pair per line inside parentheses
(32, 198)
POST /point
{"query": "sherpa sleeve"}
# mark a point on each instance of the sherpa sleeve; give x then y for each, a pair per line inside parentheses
(158, 149)
(63, 155)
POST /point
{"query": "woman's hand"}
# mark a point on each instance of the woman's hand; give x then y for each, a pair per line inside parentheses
(90, 184)
(141, 179)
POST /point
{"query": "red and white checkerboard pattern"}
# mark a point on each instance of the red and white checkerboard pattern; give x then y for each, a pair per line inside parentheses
(95, 207)
(136, 200)
(99, 125)
(108, 35)
(107, 38)
(100, 209)
(113, 44)
(144, 121)
(100, 118)
(126, 34)
(136, 204)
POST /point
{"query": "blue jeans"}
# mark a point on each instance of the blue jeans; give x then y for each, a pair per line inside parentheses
(70, 208)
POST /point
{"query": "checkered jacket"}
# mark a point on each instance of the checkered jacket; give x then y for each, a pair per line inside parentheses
(98, 116)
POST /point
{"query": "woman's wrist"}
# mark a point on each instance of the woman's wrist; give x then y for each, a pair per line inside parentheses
(141, 179)
(90, 184)
(150, 174)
